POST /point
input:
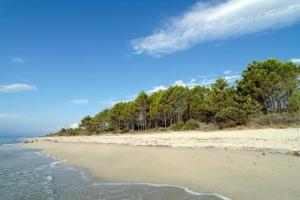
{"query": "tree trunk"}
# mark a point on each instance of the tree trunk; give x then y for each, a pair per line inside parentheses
(165, 120)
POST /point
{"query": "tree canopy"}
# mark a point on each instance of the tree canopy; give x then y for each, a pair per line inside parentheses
(269, 86)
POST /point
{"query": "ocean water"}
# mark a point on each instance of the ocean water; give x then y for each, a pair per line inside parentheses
(28, 174)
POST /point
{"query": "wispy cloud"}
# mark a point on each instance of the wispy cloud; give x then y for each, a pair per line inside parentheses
(18, 60)
(207, 81)
(74, 125)
(218, 21)
(296, 60)
(17, 87)
(157, 88)
(230, 76)
(191, 83)
(79, 101)
(8, 116)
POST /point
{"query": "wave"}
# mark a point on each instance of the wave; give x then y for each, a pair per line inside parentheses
(186, 189)
(56, 160)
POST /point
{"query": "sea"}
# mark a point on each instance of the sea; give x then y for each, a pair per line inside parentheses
(29, 174)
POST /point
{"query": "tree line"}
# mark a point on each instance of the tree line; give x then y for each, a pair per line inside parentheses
(265, 87)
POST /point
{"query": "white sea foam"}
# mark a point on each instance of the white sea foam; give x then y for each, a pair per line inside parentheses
(57, 162)
(39, 153)
(52, 164)
(49, 178)
(186, 189)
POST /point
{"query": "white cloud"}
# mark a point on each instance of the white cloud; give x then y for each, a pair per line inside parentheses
(193, 80)
(228, 72)
(230, 76)
(156, 89)
(79, 101)
(180, 83)
(192, 83)
(8, 116)
(18, 60)
(207, 82)
(17, 87)
(296, 60)
(74, 125)
(56, 128)
(218, 21)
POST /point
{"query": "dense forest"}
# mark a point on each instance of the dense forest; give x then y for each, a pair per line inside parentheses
(266, 89)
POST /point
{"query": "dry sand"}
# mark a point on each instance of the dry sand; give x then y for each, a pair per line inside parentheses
(236, 171)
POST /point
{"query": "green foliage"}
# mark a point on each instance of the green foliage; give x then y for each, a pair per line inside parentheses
(270, 83)
(178, 101)
(68, 132)
(231, 117)
(156, 108)
(86, 123)
(179, 126)
(251, 106)
(141, 106)
(276, 120)
(191, 124)
(198, 105)
(267, 87)
(294, 102)
(101, 121)
(207, 126)
(125, 130)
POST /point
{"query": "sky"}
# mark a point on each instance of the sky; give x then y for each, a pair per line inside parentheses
(62, 60)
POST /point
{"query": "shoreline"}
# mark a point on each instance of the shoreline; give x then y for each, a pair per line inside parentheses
(234, 173)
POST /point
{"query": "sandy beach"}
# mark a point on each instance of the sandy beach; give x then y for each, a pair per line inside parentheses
(242, 165)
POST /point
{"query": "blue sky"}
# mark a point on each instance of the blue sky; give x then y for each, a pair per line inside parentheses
(61, 60)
